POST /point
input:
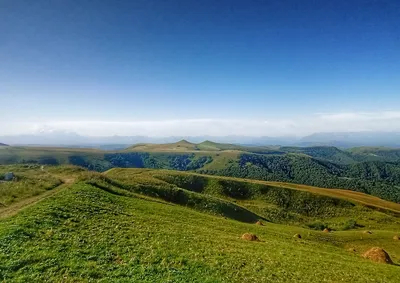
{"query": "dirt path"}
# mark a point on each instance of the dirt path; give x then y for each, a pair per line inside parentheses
(17, 207)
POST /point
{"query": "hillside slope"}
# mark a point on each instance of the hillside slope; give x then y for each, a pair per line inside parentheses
(375, 154)
(326, 167)
(88, 233)
(275, 202)
(381, 179)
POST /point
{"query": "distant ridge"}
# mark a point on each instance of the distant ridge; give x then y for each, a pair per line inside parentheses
(3, 144)
(186, 146)
(337, 139)
(180, 146)
(184, 142)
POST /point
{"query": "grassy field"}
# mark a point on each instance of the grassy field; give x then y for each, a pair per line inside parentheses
(272, 201)
(141, 225)
(29, 181)
(86, 234)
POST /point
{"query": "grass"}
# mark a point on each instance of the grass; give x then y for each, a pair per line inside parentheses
(86, 234)
(271, 202)
(240, 199)
(180, 146)
(29, 180)
(31, 184)
(353, 196)
(220, 160)
(310, 165)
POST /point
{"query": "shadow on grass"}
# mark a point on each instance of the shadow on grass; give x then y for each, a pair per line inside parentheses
(197, 201)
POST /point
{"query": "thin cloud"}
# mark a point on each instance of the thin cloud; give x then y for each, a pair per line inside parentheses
(360, 116)
(301, 125)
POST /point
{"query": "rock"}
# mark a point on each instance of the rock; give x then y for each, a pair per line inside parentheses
(9, 176)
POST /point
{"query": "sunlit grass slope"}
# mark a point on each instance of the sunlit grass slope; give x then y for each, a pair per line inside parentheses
(87, 234)
(274, 202)
(32, 180)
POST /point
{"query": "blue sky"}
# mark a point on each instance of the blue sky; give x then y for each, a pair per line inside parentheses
(78, 65)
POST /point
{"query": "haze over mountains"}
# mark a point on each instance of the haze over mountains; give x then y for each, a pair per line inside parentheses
(338, 139)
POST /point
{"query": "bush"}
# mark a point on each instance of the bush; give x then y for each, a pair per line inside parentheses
(350, 224)
(317, 225)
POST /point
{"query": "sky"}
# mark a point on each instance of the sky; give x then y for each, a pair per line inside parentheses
(165, 68)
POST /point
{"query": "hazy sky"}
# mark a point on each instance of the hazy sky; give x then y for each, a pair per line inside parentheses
(199, 67)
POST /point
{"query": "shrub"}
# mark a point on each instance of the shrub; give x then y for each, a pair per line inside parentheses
(317, 225)
(350, 224)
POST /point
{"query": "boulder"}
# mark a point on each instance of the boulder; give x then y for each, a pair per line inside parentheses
(9, 176)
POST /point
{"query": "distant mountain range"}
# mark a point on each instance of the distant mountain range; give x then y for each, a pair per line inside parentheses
(352, 139)
(338, 139)
(3, 144)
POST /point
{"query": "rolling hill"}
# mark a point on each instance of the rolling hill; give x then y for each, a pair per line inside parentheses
(147, 225)
(327, 167)
(206, 146)
(375, 153)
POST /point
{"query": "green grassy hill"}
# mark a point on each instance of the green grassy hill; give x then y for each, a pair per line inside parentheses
(180, 146)
(273, 202)
(140, 225)
(206, 146)
(327, 167)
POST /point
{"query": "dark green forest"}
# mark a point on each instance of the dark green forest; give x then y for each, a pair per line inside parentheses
(183, 162)
(377, 178)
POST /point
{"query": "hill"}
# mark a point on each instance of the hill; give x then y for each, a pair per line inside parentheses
(242, 190)
(375, 154)
(206, 146)
(3, 144)
(180, 146)
(327, 167)
(381, 179)
(104, 226)
(329, 153)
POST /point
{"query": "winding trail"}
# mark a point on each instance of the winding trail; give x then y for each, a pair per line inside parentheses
(14, 208)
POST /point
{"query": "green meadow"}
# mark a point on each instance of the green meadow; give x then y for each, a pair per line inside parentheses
(143, 225)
